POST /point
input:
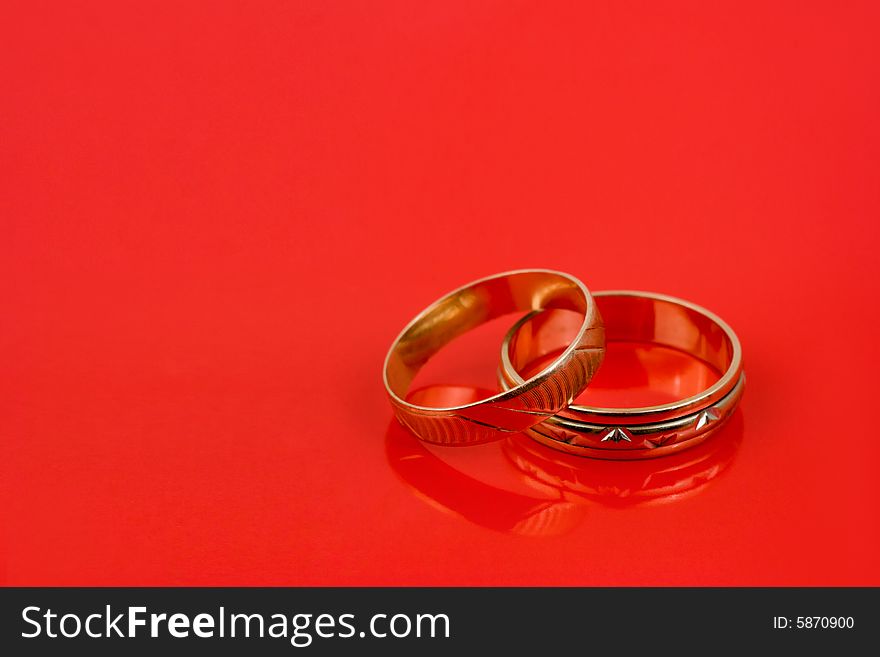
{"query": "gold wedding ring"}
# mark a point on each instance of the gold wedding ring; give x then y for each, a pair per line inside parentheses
(522, 404)
(640, 432)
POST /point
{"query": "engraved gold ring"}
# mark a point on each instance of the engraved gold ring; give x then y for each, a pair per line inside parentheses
(639, 432)
(522, 404)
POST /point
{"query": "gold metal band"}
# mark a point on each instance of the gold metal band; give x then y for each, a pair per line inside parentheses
(521, 405)
(640, 432)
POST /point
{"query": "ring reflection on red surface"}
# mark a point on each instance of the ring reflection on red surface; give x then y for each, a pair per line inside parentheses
(637, 482)
(519, 486)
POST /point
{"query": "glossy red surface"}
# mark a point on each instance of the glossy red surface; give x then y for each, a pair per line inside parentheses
(214, 222)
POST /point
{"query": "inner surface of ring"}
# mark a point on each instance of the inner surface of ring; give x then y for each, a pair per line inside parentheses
(471, 306)
(628, 319)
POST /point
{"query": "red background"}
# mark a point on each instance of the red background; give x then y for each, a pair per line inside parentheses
(215, 218)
